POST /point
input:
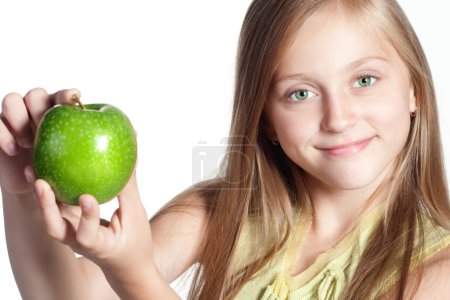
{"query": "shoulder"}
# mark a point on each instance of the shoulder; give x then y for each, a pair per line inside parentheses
(177, 232)
(435, 283)
(430, 280)
(435, 279)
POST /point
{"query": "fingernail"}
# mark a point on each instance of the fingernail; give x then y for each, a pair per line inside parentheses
(39, 190)
(28, 176)
(11, 149)
(85, 204)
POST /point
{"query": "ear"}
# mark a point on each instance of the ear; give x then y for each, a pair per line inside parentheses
(412, 100)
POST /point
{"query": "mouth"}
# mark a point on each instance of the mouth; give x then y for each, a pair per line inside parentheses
(348, 148)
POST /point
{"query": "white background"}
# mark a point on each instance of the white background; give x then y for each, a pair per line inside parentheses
(169, 65)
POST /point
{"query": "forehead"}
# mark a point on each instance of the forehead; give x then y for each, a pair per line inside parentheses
(330, 40)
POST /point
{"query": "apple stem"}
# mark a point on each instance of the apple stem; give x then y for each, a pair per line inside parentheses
(77, 100)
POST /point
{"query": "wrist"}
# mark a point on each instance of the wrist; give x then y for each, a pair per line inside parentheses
(22, 201)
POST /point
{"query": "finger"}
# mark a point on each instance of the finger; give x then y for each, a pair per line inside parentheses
(55, 225)
(30, 176)
(38, 101)
(115, 224)
(72, 213)
(129, 198)
(15, 116)
(7, 141)
(64, 96)
(89, 226)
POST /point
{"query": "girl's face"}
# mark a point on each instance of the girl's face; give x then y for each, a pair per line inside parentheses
(340, 104)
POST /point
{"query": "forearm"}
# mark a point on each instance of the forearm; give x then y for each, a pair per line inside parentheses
(43, 268)
(150, 285)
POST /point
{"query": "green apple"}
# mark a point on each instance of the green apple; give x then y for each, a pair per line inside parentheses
(85, 149)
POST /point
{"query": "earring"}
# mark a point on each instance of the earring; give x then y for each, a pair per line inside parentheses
(275, 143)
(413, 114)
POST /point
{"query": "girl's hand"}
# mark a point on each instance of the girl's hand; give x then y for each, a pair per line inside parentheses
(19, 119)
(122, 247)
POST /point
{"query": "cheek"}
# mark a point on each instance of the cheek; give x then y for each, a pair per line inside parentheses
(391, 118)
(295, 134)
(393, 104)
(294, 129)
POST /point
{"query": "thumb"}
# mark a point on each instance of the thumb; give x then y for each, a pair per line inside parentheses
(89, 222)
(129, 198)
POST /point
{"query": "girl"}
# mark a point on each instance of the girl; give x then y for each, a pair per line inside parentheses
(333, 186)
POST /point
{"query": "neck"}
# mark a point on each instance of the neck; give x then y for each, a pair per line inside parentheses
(336, 211)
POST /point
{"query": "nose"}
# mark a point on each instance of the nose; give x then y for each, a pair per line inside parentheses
(338, 113)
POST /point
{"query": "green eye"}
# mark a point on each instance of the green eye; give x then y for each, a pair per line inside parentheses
(364, 81)
(301, 95)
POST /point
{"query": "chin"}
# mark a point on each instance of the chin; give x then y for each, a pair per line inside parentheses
(352, 181)
(349, 184)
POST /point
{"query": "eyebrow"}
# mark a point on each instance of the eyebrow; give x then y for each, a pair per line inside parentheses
(364, 60)
(350, 66)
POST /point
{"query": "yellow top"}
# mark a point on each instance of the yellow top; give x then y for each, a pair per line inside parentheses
(327, 277)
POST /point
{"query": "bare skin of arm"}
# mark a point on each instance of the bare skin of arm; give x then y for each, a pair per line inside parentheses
(43, 267)
(434, 282)
(127, 259)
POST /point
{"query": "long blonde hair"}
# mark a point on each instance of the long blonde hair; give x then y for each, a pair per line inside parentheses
(258, 180)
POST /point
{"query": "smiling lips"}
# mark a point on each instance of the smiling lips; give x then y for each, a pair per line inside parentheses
(347, 149)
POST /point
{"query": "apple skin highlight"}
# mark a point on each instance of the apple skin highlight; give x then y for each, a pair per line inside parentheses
(90, 150)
